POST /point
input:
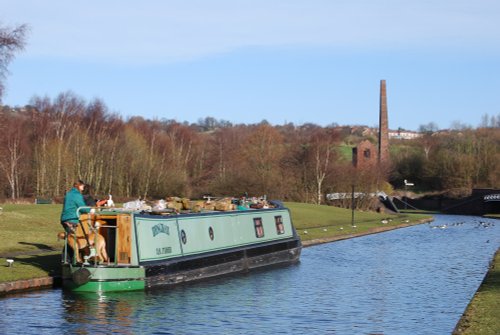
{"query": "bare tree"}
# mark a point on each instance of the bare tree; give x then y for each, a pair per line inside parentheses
(263, 152)
(428, 139)
(322, 151)
(67, 106)
(12, 149)
(40, 118)
(12, 40)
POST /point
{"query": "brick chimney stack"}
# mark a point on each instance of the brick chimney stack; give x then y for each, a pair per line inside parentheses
(383, 132)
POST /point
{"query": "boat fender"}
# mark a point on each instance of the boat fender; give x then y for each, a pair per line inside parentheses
(81, 276)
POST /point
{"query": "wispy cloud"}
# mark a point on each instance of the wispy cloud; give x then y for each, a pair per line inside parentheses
(167, 31)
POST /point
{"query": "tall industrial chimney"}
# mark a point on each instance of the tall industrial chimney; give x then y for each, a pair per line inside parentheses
(383, 130)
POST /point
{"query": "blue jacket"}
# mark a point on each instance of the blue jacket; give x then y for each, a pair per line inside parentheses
(72, 201)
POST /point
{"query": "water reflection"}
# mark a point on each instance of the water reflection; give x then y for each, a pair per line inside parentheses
(416, 280)
(88, 312)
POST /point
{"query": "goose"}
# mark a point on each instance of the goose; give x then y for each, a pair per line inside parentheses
(110, 202)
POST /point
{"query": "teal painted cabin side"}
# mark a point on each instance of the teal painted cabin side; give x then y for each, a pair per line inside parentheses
(187, 235)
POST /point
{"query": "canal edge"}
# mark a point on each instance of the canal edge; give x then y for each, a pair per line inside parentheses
(24, 285)
(372, 231)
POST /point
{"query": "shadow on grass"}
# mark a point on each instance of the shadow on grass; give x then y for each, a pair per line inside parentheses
(39, 246)
(50, 263)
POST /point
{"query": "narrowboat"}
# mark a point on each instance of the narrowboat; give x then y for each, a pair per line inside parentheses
(147, 248)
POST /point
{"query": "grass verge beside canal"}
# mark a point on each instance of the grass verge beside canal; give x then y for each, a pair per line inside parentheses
(482, 316)
(29, 229)
(28, 236)
(317, 223)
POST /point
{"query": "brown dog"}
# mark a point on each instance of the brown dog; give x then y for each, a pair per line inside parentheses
(81, 243)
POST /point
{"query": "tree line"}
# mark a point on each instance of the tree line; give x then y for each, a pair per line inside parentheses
(50, 143)
(453, 160)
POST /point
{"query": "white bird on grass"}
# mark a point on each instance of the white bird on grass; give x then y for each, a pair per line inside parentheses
(110, 202)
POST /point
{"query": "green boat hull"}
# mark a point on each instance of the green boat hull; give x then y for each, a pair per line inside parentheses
(113, 286)
(103, 279)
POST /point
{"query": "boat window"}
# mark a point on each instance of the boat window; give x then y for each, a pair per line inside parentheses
(211, 233)
(183, 237)
(259, 228)
(280, 228)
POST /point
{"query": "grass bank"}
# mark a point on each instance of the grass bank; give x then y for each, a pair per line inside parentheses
(29, 238)
(482, 315)
(317, 223)
(29, 228)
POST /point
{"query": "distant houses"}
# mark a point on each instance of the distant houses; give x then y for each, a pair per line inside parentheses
(404, 134)
(366, 132)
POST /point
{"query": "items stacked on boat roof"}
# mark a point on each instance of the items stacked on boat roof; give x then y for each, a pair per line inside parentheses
(178, 205)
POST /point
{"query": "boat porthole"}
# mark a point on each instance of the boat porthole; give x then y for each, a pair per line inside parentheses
(183, 237)
(211, 233)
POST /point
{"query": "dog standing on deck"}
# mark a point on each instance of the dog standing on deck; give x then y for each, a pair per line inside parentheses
(81, 243)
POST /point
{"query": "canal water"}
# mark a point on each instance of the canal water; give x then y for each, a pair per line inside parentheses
(416, 280)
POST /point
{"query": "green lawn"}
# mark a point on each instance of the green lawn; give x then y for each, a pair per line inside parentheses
(29, 228)
(320, 222)
(31, 266)
(29, 238)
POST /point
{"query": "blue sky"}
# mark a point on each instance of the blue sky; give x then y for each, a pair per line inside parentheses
(318, 61)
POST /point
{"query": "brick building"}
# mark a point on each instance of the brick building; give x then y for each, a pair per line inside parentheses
(364, 155)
